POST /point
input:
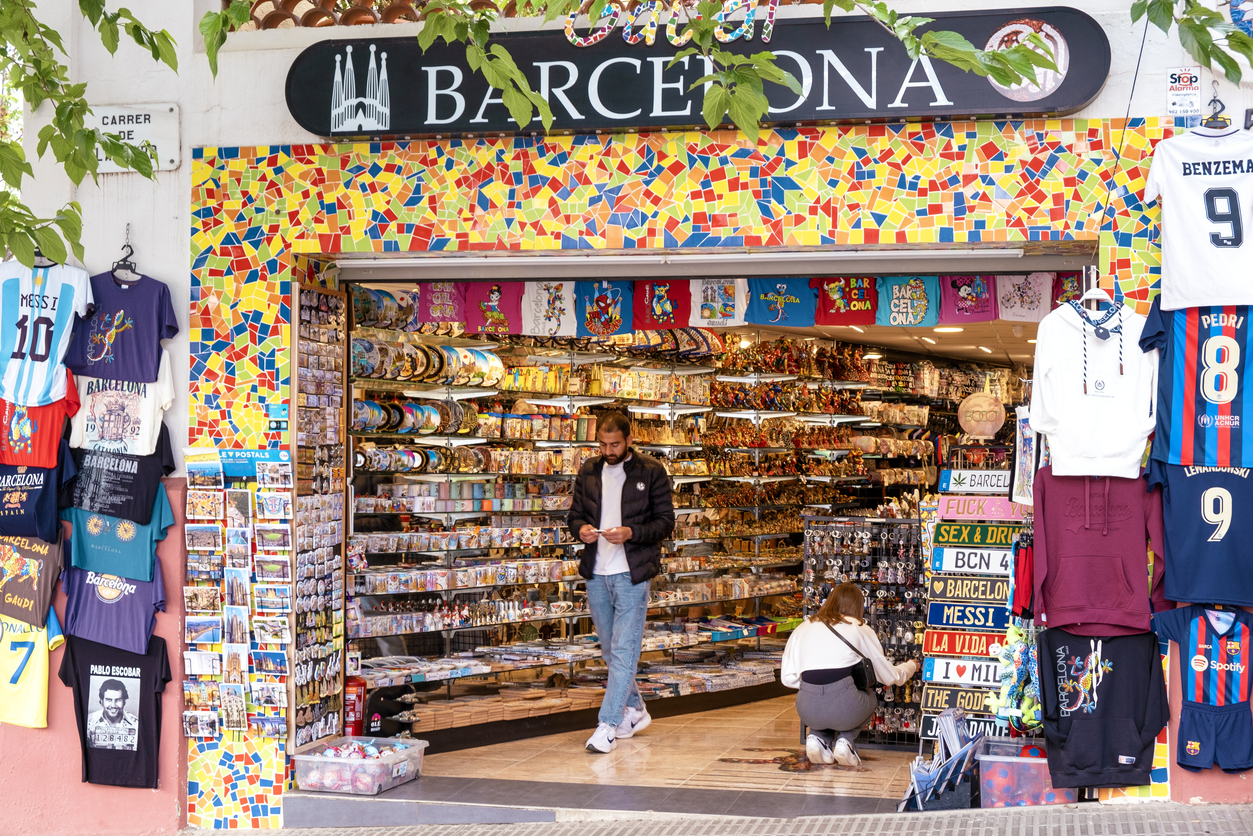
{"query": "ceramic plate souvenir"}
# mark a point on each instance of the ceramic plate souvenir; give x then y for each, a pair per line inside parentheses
(421, 361)
(375, 307)
(452, 365)
(457, 415)
(445, 417)
(465, 367)
(391, 309)
(360, 415)
(365, 357)
(361, 305)
(414, 322)
(413, 418)
(395, 418)
(439, 360)
(415, 362)
(481, 367)
(406, 302)
(469, 419)
(496, 372)
(430, 420)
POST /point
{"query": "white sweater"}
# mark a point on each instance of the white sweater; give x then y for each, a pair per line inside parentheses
(813, 647)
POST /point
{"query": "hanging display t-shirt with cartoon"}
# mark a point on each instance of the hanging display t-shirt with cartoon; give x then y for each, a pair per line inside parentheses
(548, 309)
(790, 302)
(120, 612)
(117, 703)
(1024, 298)
(122, 339)
(718, 303)
(1204, 180)
(31, 435)
(1214, 725)
(24, 652)
(846, 300)
(967, 299)
(121, 485)
(38, 309)
(493, 307)
(1200, 416)
(122, 416)
(111, 545)
(603, 308)
(29, 569)
(661, 304)
(28, 497)
(909, 301)
(1067, 287)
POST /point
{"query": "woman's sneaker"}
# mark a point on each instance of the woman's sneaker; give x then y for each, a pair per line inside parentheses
(818, 750)
(633, 720)
(604, 740)
(845, 754)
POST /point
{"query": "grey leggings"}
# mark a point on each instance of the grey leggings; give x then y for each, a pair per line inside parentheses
(838, 708)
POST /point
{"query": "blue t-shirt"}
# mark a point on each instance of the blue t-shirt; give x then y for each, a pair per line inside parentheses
(116, 546)
(122, 338)
(603, 308)
(790, 302)
(28, 497)
(909, 301)
(112, 610)
(1214, 652)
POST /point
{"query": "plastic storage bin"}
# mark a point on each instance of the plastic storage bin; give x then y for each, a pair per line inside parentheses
(359, 776)
(1007, 778)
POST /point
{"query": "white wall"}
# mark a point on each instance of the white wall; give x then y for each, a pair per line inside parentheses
(245, 106)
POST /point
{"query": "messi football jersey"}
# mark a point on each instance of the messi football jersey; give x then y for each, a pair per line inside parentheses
(24, 669)
(38, 309)
(1213, 652)
(1204, 408)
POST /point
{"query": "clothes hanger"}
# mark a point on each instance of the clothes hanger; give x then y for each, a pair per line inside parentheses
(124, 270)
(42, 260)
(1215, 120)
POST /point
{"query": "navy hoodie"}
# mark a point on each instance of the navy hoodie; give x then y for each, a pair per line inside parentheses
(1104, 703)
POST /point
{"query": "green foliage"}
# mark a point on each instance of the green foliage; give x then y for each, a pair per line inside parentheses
(1203, 32)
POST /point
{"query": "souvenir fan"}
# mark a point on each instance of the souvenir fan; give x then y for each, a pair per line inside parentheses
(669, 343)
(699, 335)
(687, 343)
(715, 342)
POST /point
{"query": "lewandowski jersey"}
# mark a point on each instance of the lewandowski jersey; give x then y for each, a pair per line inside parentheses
(1213, 652)
(38, 309)
(1205, 181)
(24, 670)
(1204, 408)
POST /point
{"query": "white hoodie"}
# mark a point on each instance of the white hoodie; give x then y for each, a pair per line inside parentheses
(1094, 398)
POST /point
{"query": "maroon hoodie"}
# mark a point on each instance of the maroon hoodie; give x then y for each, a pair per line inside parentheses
(1091, 553)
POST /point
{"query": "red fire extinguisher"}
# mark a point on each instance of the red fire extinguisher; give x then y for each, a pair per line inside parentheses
(354, 706)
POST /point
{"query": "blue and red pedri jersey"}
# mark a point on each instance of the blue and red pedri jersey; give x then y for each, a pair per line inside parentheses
(1214, 651)
(1204, 410)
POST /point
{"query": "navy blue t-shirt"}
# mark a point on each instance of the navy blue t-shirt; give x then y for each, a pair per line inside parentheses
(28, 497)
(122, 338)
(1208, 515)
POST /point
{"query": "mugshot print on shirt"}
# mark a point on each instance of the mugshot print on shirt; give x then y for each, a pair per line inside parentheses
(38, 308)
(122, 416)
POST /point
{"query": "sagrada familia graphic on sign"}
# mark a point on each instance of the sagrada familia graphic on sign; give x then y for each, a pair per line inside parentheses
(371, 112)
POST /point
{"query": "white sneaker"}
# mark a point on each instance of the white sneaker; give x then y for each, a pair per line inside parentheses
(633, 720)
(817, 750)
(604, 740)
(845, 754)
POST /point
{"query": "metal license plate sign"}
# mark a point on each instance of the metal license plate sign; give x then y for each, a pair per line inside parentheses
(986, 535)
(937, 698)
(975, 481)
(961, 643)
(975, 725)
(962, 672)
(969, 589)
(968, 616)
(981, 508)
(970, 559)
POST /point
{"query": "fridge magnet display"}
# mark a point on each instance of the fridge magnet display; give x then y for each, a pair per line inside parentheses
(202, 599)
(239, 536)
(238, 557)
(203, 538)
(274, 505)
(270, 662)
(202, 663)
(236, 583)
(270, 568)
(238, 508)
(234, 709)
(273, 538)
(202, 629)
(272, 597)
(274, 474)
(204, 475)
(235, 624)
(271, 630)
(268, 726)
(200, 695)
(200, 723)
(269, 694)
(204, 505)
(235, 662)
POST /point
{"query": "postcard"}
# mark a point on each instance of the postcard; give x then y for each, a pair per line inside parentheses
(203, 538)
(202, 629)
(238, 508)
(271, 597)
(204, 505)
(273, 537)
(202, 599)
(271, 630)
(271, 662)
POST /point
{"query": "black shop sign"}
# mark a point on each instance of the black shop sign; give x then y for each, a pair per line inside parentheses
(854, 70)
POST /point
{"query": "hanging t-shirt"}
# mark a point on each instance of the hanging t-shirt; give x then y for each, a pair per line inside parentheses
(122, 339)
(1201, 389)
(1067, 287)
(662, 304)
(1024, 298)
(1214, 652)
(967, 299)
(112, 610)
(441, 302)
(117, 703)
(121, 485)
(911, 301)
(38, 309)
(548, 309)
(122, 416)
(28, 497)
(24, 652)
(29, 569)
(114, 546)
(846, 300)
(603, 308)
(790, 302)
(31, 435)
(718, 303)
(493, 307)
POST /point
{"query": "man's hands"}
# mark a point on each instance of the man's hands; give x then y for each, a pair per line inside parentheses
(617, 536)
(588, 534)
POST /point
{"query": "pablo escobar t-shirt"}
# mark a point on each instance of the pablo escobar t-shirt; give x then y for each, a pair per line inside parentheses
(122, 416)
(112, 610)
(115, 546)
(122, 339)
(28, 497)
(119, 484)
(28, 574)
(117, 703)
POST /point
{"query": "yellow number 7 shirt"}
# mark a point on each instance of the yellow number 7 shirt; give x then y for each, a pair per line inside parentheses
(24, 670)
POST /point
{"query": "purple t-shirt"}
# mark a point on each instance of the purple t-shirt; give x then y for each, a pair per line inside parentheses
(112, 610)
(122, 338)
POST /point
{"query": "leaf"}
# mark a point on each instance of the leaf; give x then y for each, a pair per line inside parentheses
(50, 243)
(22, 246)
(1196, 40)
(1138, 9)
(518, 104)
(715, 105)
(744, 115)
(1230, 67)
(1162, 13)
(214, 37)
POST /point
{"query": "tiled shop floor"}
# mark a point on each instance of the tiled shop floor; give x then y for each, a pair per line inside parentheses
(752, 747)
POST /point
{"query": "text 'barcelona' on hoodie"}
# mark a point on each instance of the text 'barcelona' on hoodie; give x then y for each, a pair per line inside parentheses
(1091, 553)
(1103, 703)
(1095, 390)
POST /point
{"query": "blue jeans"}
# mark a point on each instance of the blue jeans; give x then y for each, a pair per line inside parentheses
(618, 609)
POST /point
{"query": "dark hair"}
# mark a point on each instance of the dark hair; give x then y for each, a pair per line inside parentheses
(614, 422)
(845, 604)
(113, 685)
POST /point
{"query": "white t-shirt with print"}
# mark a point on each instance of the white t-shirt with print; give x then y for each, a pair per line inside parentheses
(122, 416)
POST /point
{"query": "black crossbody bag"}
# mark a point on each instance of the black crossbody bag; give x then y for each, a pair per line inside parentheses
(863, 673)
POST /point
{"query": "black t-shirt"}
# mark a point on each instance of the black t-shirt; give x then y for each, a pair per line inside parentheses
(29, 569)
(119, 484)
(117, 703)
(28, 497)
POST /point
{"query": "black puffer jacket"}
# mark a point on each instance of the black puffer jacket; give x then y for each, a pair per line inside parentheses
(647, 509)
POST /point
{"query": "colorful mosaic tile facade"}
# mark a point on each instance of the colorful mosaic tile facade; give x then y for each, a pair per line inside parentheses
(235, 783)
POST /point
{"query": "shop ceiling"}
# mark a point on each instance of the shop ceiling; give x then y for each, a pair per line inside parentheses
(999, 342)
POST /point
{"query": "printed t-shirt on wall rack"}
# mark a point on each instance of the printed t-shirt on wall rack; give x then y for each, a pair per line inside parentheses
(122, 416)
(1024, 298)
(718, 303)
(38, 309)
(115, 546)
(29, 577)
(28, 497)
(789, 302)
(24, 670)
(31, 435)
(120, 612)
(662, 304)
(845, 300)
(1094, 391)
(1203, 180)
(119, 484)
(910, 301)
(493, 307)
(117, 704)
(548, 309)
(967, 299)
(121, 340)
